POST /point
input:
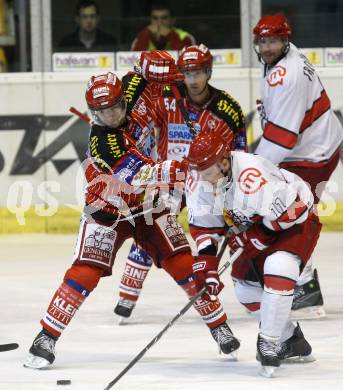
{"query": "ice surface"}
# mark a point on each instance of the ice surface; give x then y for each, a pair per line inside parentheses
(94, 349)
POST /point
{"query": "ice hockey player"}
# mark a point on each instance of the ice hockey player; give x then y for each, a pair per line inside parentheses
(301, 132)
(270, 211)
(118, 177)
(207, 108)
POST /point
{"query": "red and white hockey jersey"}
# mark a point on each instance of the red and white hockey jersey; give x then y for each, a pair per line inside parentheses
(172, 133)
(258, 192)
(298, 121)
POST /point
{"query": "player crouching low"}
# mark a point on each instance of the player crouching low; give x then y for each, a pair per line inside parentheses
(272, 211)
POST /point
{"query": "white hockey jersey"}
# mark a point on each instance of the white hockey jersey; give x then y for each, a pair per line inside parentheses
(298, 121)
(258, 192)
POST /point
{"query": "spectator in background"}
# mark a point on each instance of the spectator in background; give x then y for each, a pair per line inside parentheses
(87, 37)
(160, 33)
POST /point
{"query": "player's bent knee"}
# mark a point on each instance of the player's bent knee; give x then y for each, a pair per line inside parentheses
(281, 271)
(85, 275)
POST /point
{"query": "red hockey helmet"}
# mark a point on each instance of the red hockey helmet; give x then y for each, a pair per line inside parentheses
(272, 26)
(208, 148)
(195, 57)
(104, 91)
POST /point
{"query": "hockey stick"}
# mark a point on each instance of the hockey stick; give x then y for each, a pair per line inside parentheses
(178, 315)
(182, 108)
(82, 116)
(8, 347)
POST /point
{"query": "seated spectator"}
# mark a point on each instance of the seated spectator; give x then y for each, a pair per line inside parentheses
(87, 37)
(160, 33)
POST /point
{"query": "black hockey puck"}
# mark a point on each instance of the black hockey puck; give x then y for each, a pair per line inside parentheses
(64, 382)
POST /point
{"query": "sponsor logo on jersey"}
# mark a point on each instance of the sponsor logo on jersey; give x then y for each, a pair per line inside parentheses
(276, 76)
(142, 108)
(178, 151)
(179, 132)
(137, 131)
(226, 106)
(251, 180)
(128, 168)
(98, 245)
(236, 217)
(172, 231)
(131, 88)
(197, 127)
(193, 115)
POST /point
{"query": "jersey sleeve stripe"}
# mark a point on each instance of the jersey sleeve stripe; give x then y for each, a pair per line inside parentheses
(280, 136)
(319, 107)
(290, 217)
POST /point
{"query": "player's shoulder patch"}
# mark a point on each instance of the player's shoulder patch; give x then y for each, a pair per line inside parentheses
(227, 108)
(134, 85)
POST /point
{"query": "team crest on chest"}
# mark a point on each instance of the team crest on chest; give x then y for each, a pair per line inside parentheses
(276, 76)
(251, 180)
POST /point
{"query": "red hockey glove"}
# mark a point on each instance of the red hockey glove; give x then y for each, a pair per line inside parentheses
(206, 275)
(254, 240)
(171, 171)
(159, 66)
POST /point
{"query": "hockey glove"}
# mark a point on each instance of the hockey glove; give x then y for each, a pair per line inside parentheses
(171, 171)
(159, 66)
(253, 241)
(206, 275)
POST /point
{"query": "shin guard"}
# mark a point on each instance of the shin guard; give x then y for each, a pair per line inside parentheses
(180, 268)
(212, 312)
(78, 282)
(136, 270)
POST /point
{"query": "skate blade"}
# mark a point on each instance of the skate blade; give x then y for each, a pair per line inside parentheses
(123, 321)
(267, 371)
(299, 359)
(233, 356)
(36, 362)
(308, 313)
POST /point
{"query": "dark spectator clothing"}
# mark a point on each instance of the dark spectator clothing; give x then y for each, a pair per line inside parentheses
(177, 39)
(103, 42)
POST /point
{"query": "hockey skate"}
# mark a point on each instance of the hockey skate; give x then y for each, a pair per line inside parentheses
(308, 300)
(296, 349)
(225, 339)
(124, 310)
(267, 355)
(42, 351)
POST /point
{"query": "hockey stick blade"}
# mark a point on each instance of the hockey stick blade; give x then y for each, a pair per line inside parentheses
(177, 316)
(8, 347)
